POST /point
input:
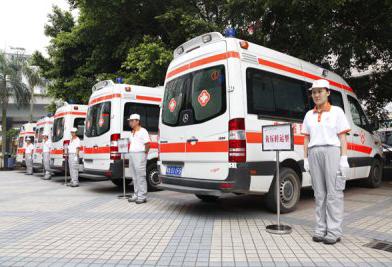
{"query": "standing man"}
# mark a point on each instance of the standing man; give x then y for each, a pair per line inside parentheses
(325, 143)
(73, 159)
(46, 156)
(29, 156)
(138, 151)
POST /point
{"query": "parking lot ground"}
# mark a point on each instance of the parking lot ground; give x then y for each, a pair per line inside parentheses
(43, 223)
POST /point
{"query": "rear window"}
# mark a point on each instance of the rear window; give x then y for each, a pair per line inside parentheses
(21, 139)
(31, 138)
(98, 119)
(40, 137)
(200, 95)
(58, 129)
(149, 116)
(79, 124)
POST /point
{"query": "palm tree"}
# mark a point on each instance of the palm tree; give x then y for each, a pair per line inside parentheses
(34, 79)
(11, 85)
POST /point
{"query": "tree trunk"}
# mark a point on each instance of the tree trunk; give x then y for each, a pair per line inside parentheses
(31, 107)
(4, 128)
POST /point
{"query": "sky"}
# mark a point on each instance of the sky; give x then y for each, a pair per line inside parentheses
(22, 23)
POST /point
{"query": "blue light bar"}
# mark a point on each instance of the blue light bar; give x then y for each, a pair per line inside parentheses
(230, 32)
(119, 80)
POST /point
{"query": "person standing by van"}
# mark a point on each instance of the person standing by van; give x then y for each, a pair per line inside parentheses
(325, 158)
(29, 156)
(138, 151)
(73, 159)
(46, 156)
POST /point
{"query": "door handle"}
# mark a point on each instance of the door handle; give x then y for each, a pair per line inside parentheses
(192, 140)
(96, 146)
(356, 134)
(163, 142)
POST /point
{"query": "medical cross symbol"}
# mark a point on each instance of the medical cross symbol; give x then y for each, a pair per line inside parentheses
(203, 98)
(172, 105)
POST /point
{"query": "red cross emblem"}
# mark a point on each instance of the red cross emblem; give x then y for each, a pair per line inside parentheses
(172, 105)
(363, 139)
(204, 97)
(100, 122)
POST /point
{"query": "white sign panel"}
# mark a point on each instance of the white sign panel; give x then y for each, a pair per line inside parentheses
(123, 145)
(278, 137)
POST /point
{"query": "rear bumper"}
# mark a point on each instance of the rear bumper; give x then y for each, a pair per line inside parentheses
(190, 190)
(115, 170)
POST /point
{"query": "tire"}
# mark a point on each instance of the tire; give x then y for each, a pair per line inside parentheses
(375, 175)
(290, 188)
(152, 177)
(119, 182)
(207, 198)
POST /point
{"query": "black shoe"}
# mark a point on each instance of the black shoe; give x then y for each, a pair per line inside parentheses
(317, 238)
(331, 240)
(140, 201)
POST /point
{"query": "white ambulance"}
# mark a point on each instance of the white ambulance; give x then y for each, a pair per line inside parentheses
(110, 106)
(66, 117)
(44, 125)
(27, 130)
(219, 92)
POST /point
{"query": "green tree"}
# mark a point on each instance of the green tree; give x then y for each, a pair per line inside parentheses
(34, 79)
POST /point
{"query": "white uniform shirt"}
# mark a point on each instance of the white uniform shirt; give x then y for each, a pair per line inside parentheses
(47, 145)
(73, 145)
(29, 149)
(324, 126)
(138, 140)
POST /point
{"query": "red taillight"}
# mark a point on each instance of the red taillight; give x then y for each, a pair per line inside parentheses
(237, 140)
(65, 146)
(226, 186)
(114, 147)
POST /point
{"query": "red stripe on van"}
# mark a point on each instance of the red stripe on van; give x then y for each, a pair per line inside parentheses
(211, 146)
(203, 61)
(103, 98)
(153, 144)
(21, 150)
(97, 150)
(24, 133)
(56, 152)
(359, 148)
(39, 150)
(45, 122)
(70, 112)
(172, 148)
(301, 73)
(149, 98)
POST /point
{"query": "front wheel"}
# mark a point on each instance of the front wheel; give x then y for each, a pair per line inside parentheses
(375, 175)
(207, 198)
(290, 190)
(152, 177)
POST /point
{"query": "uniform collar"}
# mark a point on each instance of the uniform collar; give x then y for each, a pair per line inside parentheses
(327, 108)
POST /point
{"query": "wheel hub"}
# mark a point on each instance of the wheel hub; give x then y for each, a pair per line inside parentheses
(286, 190)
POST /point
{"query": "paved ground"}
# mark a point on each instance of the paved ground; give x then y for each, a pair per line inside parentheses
(43, 223)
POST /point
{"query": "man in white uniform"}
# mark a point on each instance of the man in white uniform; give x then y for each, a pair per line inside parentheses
(138, 151)
(46, 156)
(29, 156)
(325, 129)
(73, 159)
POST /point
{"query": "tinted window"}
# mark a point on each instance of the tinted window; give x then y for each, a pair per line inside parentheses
(40, 137)
(58, 129)
(31, 139)
(173, 101)
(357, 114)
(78, 123)
(274, 95)
(21, 141)
(98, 119)
(149, 116)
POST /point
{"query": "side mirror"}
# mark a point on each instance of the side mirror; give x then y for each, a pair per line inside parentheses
(375, 124)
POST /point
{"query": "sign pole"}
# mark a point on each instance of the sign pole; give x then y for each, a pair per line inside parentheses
(65, 172)
(277, 187)
(123, 149)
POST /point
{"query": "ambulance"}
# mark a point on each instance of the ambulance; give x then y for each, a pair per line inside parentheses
(27, 130)
(219, 92)
(110, 106)
(66, 117)
(44, 125)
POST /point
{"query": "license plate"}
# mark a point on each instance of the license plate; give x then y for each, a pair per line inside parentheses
(173, 170)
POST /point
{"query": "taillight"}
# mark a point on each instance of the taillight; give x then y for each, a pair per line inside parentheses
(114, 147)
(65, 145)
(237, 140)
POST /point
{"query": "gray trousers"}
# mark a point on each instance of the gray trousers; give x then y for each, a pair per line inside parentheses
(137, 166)
(73, 162)
(46, 157)
(328, 189)
(29, 163)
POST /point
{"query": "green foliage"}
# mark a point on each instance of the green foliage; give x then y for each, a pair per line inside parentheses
(59, 21)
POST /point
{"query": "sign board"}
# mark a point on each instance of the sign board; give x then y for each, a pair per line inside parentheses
(278, 137)
(123, 145)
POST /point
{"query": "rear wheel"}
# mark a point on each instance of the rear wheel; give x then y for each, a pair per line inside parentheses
(290, 190)
(375, 175)
(207, 198)
(119, 182)
(152, 177)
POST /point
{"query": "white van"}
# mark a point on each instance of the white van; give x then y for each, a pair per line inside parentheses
(65, 118)
(27, 130)
(110, 106)
(44, 125)
(219, 92)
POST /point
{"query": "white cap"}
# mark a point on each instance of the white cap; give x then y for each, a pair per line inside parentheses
(134, 117)
(74, 130)
(45, 134)
(28, 139)
(320, 84)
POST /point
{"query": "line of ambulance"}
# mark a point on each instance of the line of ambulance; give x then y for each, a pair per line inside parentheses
(205, 123)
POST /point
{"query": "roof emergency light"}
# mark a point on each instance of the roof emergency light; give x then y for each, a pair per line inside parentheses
(119, 80)
(230, 32)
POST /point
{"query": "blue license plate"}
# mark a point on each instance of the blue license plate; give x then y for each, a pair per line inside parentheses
(173, 170)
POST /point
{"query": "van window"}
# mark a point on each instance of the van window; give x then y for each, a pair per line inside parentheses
(149, 116)
(79, 122)
(31, 138)
(275, 95)
(201, 92)
(58, 129)
(357, 114)
(98, 119)
(40, 137)
(21, 139)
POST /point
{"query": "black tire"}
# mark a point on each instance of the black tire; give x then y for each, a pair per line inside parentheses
(152, 177)
(119, 182)
(207, 198)
(290, 188)
(375, 175)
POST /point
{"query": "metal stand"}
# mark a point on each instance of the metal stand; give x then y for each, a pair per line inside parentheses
(65, 171)
(124, 195)
(279, 229)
